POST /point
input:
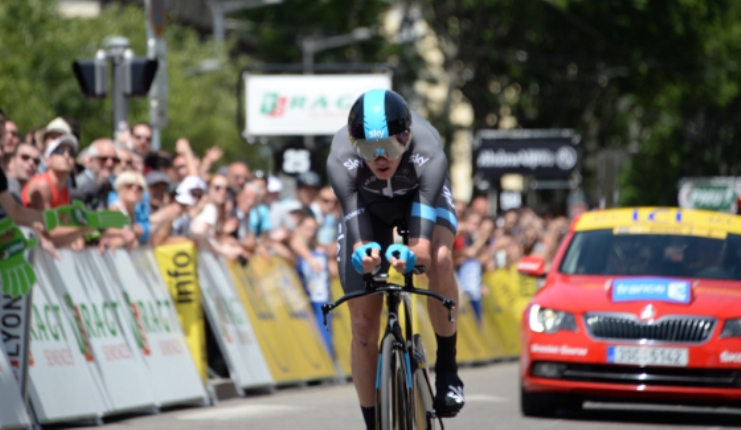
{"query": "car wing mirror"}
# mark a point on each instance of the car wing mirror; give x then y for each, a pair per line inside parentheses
(532, 265)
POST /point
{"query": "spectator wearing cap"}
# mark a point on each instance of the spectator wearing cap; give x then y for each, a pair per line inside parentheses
(49, 189)
(130, 187)
(94, 183)
(55, 129)
(189, 202)
(158, 185)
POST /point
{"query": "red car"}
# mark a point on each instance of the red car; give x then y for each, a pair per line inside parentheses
(640, 305)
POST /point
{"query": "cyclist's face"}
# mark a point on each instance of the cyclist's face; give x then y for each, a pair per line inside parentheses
(383, 168)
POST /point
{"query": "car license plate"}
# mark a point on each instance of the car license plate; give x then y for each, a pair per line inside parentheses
(648, 356)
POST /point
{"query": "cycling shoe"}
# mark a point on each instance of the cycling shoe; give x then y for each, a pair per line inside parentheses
(449, 398)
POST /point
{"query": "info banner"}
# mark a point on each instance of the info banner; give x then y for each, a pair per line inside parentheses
(177, 265)
(62, 388)
(172, 375)
(303, 104)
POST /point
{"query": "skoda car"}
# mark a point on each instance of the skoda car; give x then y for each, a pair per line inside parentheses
(639, 305)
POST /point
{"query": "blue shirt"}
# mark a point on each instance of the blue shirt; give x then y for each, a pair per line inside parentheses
(141, 214)
(260, 219)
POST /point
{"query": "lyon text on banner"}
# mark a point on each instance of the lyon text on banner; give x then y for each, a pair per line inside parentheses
(177, 263)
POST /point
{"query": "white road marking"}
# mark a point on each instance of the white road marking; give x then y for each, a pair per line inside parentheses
(485, 398)
(238, 412)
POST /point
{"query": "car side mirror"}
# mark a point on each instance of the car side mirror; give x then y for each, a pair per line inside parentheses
(532, 265)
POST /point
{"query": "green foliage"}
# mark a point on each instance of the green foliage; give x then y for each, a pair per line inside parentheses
(37, 82)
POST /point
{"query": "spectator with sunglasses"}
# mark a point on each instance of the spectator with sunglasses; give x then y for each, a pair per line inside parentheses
(94, 183)
(141, 138)
(22, 167)
(141, 211)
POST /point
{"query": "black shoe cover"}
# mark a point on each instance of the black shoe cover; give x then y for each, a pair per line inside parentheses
(449, 398)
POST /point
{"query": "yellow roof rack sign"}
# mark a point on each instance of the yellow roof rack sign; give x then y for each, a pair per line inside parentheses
(661, 220)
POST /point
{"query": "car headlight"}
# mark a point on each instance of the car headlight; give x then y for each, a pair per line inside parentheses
(544, 320)
(731, 328)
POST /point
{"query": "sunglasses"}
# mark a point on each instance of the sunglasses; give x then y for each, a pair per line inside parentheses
(62, 150)
(15, 133)
(136, 187)
(218, 187)
(196, 194)
(103, 159)
(140, 137)
(26, 157)
(126, 162)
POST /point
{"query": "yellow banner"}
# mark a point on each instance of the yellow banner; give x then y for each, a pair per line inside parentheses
(286, 331)
(177, 262)
(341, 329)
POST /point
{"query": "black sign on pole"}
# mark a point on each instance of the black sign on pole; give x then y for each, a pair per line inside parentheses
(542, 154)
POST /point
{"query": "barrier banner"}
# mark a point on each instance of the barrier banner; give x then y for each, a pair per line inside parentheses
(12, 410)
(61, 385)
(102, 322)
(285, 295)
(177, 265)
(274, 342)
(500, 309)
(228, 318)
(173, 377)
(14, 313)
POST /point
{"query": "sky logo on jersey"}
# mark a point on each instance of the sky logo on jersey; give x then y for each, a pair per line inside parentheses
(418, 159)
(351, 164)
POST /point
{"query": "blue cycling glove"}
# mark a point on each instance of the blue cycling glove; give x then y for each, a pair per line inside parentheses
(362, 251)
(404, 253)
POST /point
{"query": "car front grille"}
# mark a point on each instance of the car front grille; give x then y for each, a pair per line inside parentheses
(668, 376)
(679, 329)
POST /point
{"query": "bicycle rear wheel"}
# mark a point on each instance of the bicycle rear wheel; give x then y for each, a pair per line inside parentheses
(393, 411)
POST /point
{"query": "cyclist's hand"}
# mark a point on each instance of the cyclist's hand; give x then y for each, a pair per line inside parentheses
(401, 258)
(364, 263)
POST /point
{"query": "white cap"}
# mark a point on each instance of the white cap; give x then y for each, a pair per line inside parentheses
(63, 139)
(275, 185)
(60, 125)
(291, 205)
(189, 184)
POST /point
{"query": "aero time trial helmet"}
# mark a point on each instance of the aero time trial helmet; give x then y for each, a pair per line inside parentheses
(379, 125)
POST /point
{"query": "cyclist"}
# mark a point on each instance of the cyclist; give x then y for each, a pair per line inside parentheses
(388, 165)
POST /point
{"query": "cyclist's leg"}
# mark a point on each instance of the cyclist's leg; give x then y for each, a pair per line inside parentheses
(365, 316)
(449, 398)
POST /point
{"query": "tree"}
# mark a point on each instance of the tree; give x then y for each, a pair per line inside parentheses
(37, 83)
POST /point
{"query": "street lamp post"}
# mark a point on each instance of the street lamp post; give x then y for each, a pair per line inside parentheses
(310, 46)
(219, 9)
(117, 49)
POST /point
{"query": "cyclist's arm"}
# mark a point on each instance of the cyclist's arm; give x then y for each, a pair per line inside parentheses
(431, 175)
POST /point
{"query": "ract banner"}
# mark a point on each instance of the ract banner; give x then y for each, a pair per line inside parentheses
(303, 104)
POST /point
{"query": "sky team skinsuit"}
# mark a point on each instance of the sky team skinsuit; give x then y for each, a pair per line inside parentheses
(382, 133)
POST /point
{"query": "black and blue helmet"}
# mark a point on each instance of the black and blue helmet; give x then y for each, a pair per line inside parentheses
(379, 125)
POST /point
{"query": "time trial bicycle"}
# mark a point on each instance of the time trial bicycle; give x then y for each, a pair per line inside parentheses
(403, 391)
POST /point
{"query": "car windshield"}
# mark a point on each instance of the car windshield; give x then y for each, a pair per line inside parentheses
(602, 252)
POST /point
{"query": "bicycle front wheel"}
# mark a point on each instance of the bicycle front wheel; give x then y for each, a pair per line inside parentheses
(393, 410)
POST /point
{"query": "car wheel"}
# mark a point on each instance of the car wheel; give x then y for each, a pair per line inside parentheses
(546, 405)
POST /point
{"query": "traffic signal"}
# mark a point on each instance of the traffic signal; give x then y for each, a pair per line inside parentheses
(92, 75)
(138, 76)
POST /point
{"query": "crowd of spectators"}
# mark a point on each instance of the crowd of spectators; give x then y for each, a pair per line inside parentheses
(170, 197)
(232, 210)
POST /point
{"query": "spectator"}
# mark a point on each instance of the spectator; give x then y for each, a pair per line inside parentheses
(12, 139)
(307, 189)
(141, 138)
(22, 167)
(137, 162)
(94, 183)
(158, 184)
(56, 128)
(35, 137)
(179, 170)
(83, 159)
(212, 155)
(244, 202)
(159, 160)
(205, 224)
(130, 188)
(237, 175)
(126, 161)
(327, 213)
(49, 190)
(189, 201)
